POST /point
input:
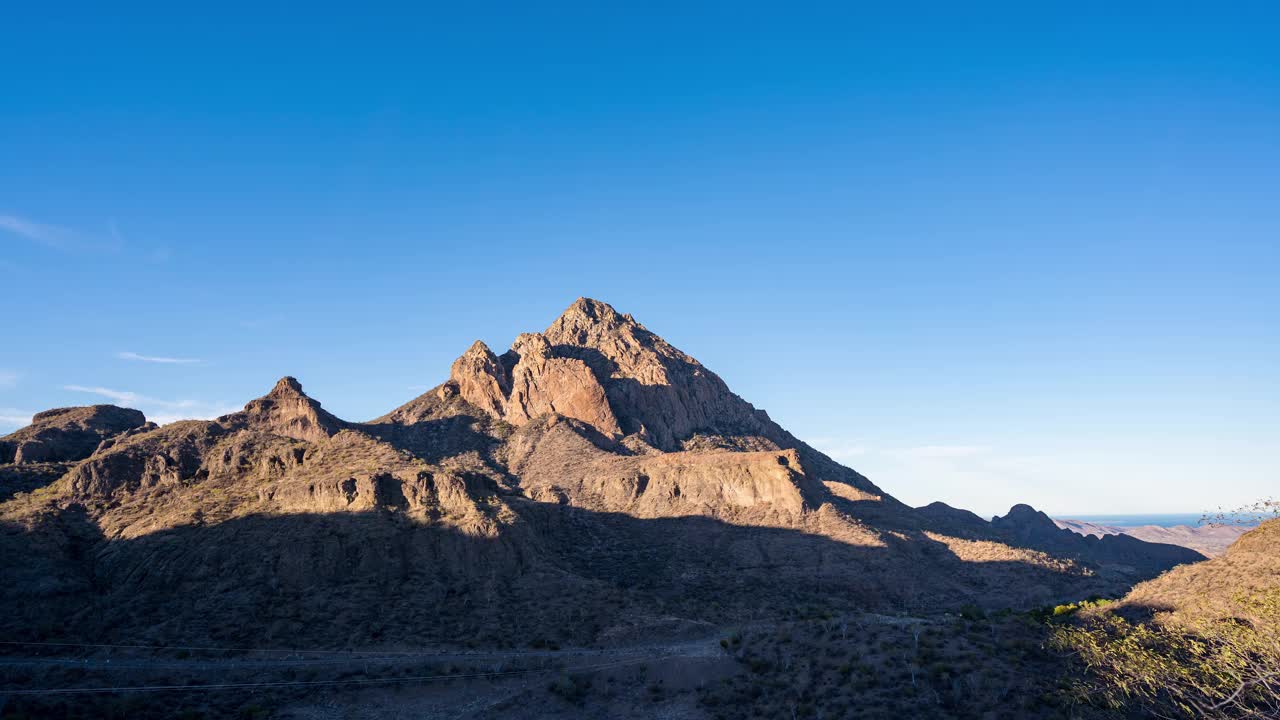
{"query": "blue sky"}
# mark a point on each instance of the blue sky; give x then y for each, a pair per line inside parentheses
(987, 255)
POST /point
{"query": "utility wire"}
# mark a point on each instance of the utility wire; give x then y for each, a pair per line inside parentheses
(314, 683)
(285, 651)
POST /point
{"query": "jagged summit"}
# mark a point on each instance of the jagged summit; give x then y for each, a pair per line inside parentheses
(583, 319)
(288, 411)
(529, 381)
(604, 368)
(287, 385)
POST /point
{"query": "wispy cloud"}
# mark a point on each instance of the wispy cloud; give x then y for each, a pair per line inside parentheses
(156, 359)
(156, 409)
(113, 230)
(104, 239)
(8, 378)
(12, 418)
(127, 396)
(946, 451)
(261, 322)
(49, 235)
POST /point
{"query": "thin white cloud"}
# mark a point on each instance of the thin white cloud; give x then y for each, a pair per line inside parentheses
(114, 230)
(158, 410)
(126, 396)
(261, 322)
(946, 451)
(64, 239)
(12, 418)
(8, 378)
(156, 359)
(50, 235)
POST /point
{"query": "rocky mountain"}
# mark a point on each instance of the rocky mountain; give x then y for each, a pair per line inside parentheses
(591, 482)
(1210, 540)
(41, 452)
(67, 434)
(1025, 524)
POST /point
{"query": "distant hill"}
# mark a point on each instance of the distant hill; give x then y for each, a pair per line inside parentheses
(1209, 540)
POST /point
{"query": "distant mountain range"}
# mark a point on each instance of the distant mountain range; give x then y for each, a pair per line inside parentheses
(1209, 540)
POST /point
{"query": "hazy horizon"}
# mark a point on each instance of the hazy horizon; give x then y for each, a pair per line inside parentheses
(1026, 256)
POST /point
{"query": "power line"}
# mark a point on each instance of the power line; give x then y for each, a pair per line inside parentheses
(369, 654)
(284, 651)
(314, 683)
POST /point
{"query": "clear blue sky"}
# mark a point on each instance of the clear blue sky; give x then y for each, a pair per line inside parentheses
(985, 254)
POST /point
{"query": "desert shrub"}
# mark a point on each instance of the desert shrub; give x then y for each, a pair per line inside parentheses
(571, 688)
(1068, 609)
(1217, 667)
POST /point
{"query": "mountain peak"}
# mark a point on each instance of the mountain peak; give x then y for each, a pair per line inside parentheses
(478, 349)
(590, 307)
(288, 411)
(287, 386)
(602, 367)
(587, 317)
(1024, 521)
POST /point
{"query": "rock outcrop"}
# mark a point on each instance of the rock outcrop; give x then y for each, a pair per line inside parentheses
(529, 381)
(247, 442)
(602, 367)
(288, 412)
(558, 464)
(67, 434)
(605, 369)
(657, 392)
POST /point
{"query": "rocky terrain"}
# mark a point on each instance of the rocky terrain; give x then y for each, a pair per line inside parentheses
(590, 486)
(1210, 540)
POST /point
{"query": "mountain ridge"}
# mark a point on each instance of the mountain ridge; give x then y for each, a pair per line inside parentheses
(592, 461)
